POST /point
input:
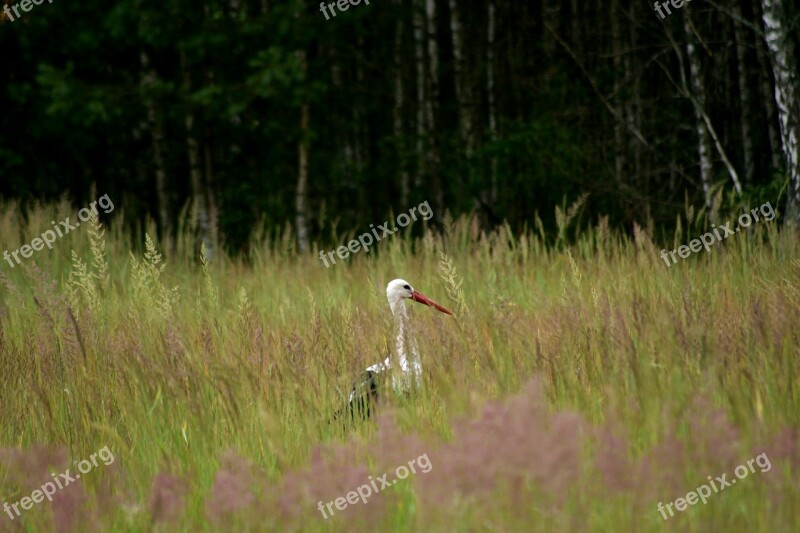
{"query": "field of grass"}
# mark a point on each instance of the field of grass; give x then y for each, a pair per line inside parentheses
(579, 383)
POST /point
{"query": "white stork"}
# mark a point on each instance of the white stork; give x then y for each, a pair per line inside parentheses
(406, 369)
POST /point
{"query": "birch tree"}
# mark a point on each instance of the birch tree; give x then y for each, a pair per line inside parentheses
(784, 68)
(767, 96)
(200, 205)
(301, 193)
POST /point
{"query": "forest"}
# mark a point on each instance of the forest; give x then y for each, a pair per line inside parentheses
(260, 116)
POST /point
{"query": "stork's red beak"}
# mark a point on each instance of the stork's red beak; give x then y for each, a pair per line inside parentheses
(421, 298)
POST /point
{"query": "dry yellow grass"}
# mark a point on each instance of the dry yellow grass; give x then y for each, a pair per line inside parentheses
(579, 384)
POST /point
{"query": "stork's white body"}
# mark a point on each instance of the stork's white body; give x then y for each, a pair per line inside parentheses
(406, 367)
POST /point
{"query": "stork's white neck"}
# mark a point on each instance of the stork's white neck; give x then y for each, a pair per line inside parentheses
(398, 308)
(409, 366)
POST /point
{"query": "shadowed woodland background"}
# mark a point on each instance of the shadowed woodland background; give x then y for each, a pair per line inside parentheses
(261, 114)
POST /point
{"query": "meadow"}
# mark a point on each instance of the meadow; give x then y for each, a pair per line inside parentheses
(579, 383)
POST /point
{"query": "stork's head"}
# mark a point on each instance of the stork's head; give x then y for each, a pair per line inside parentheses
(399, 289)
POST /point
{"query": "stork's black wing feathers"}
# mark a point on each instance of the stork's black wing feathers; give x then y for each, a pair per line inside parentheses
(364, 395)
(363, 398)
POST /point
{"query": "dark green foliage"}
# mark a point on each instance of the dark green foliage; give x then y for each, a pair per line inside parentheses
(77, 96)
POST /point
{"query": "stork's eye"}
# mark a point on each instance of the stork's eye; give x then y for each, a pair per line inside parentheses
(407, 287)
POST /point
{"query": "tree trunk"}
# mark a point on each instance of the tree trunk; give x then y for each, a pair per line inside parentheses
(463, 88)
(432, 106)
(359, 123)
(490, 53)
(156, 126)
(301, 196)
(699, 98)
(397, 116)
(744, 94)
(620, 144)
(696, 94)
(347, 163)
(767, 95)
(784, 68)
(213, 211)
(199, 194)
(634, 106)
(419, 63)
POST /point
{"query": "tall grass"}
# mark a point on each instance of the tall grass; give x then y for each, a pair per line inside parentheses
(580, 382)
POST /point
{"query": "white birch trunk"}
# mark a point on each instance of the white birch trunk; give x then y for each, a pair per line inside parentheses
(301, 195)
(200, 207)
(699, 98)
(784, 68)
(767, 95)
